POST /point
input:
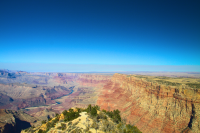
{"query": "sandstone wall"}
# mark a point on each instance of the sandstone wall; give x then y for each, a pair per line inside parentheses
(151, 107)
(92, 80)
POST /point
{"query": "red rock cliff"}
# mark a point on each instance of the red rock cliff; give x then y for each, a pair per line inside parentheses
(93, 80)
(151, 107)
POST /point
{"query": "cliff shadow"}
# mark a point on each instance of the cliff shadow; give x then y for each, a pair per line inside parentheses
(20, 125)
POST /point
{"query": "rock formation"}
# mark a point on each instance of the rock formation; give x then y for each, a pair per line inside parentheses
(153, 108)
(4, 99)
(21, 96)
(93, 80)
(14, 121)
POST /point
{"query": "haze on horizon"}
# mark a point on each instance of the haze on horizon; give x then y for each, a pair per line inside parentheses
(100, 35)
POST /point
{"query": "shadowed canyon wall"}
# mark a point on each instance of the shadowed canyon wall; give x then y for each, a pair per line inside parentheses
(14, 121)
(153, 108)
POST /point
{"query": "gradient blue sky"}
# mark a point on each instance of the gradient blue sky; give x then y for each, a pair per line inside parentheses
(100, 32)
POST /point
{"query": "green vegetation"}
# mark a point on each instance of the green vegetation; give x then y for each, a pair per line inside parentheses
(168, 83)
(128, 128)
(115, 115)
(44, 121)
(106, 121)
(92, 110)
(51, 123)
(171, 81)
(41, 131)
(140, 76)
(70, 115)
(108, 126)
(30, 129)
(194, 85)
(62, 127)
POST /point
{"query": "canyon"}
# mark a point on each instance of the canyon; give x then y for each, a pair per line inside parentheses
(152, 107)
(155, 103)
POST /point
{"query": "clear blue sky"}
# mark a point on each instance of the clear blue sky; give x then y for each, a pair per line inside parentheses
(104, 32)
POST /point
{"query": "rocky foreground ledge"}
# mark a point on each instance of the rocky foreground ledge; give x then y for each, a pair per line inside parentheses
(90, 120)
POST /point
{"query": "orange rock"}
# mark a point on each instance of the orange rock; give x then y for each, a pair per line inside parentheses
(151, 107)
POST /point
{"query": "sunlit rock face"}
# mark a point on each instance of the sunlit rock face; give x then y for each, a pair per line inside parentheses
(93, 80)
(151, 107)
(89, 80)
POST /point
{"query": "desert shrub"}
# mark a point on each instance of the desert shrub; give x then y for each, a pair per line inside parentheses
(54, 121)
(127, 128)
(162, 77)
(107, 126)
(193, 85)
(89, 108)
(168, 83)
(26, 130)
(71, 110)
(95, 125)
(29, 130)
(78, 110)
(48, 125)
(44, 121)
(41, 131)
(101, 115)
(57, 114)
(132, 129)
(63, 126)
(51, 124)
(115, 115)
(93, 111)
(64, 112)
(104, 110)
(121, 126)
(97, 107)
(70, 115)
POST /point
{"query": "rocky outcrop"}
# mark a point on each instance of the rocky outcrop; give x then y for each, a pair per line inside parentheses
(153, 108)
(42, 113)
(57, 91)
(64, 78)
(31, 102)
(4, 99)
(22, 96)
(93, 80)
(14, 121)
(89, 80)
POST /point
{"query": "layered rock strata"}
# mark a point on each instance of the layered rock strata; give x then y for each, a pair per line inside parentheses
(153, 108)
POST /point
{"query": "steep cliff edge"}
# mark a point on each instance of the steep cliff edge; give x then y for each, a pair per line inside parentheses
(152, 107)
(14, 121)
